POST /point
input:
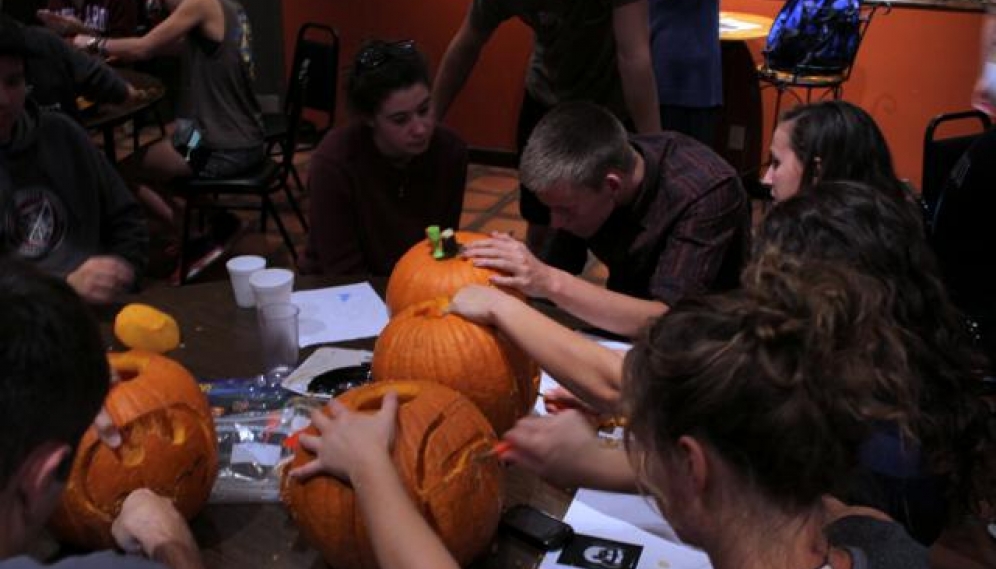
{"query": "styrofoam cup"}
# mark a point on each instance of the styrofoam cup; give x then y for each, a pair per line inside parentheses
(272, 286)
(239, 270)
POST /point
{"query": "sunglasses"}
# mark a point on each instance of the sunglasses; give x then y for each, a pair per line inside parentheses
(375, 55)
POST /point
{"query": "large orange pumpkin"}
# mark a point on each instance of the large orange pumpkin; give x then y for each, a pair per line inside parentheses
(426, 342)
(437, 450)
(418, 276)
(168, 445)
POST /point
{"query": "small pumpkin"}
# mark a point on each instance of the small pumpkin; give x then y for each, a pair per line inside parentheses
(440, 439)
(144, 327)
(418, 276)
(168, 445)
(425, 341)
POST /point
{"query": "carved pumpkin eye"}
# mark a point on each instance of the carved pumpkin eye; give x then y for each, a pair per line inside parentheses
(168, 445)
(439, 434)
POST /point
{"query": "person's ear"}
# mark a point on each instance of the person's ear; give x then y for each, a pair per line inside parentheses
(613, 183)
(817, 169)
(695, 462)
(40, 479)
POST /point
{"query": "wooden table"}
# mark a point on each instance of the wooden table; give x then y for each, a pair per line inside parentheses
(741, 125)
(221, 340)
(760, 26)
(106, 117)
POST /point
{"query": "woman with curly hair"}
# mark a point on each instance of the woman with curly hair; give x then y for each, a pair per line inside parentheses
(921, 481)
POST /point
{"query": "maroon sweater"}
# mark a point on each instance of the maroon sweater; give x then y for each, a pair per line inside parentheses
(366, 212)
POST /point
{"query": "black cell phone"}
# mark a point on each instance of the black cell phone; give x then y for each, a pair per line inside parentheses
(536, 528)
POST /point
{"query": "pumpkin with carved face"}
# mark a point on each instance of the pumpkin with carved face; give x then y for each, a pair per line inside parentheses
(440, 439)
(427, 342)
(168, 445)
(418, 276)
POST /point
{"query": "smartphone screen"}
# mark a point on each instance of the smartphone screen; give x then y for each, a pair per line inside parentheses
(536, 528)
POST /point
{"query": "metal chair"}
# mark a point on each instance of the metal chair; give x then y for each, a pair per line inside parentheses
(316, 55)
(961, 230)
(260, 182)
(831, 84)
(941, 154)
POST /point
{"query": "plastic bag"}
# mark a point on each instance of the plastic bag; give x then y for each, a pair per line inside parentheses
(252, 451)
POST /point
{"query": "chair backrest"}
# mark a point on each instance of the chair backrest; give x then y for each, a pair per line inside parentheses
(963, 233)
(940, 154)
(314, 78)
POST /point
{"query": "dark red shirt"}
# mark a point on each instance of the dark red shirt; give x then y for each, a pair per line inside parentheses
(686, 231)
(366, 211)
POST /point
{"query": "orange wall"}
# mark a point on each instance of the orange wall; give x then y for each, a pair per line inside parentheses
(486, 110)
(913, 65)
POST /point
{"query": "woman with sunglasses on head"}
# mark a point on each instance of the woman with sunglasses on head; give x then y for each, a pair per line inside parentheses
(830, 140)
(378, 182)
(745, 410)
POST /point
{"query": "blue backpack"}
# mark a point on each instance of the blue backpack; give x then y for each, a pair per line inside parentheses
(814, 37)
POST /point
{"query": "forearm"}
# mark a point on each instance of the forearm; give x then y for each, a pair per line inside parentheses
(631, 27)
(986, 41)
(609, 469)
(178, 555)
(617, 313)
(640, 93)
(385, 507)
(129, 49)
(588, 369)
(455, 67)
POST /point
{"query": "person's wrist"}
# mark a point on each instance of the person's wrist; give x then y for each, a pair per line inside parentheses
(369, 463)
(90, 45)
(550, 282)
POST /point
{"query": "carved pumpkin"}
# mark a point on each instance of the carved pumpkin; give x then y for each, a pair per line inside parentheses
(437, 450)
(168, 445)
(426, 342)
(418, 277)
(144, 327)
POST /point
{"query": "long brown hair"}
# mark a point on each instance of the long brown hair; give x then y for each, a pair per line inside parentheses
(782, 378)
(882, 236)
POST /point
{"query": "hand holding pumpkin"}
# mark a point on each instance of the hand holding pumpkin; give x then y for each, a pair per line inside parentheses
(102, 423)
(148, 522)
(349, 441)
(503, 253)
(479, 303)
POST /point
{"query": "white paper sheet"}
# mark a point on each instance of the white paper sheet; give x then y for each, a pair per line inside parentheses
(339, 313)
(658, 553)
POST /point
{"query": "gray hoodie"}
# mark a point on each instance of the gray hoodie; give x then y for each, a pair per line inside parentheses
(61, 201)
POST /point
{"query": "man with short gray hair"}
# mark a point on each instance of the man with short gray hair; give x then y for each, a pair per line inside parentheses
(666, 215)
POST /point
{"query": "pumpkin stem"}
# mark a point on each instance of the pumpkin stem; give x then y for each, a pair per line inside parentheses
(451, 247)
(432, 233)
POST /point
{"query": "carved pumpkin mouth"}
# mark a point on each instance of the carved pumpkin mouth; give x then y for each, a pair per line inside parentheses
(437, 446)
(167, 445)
